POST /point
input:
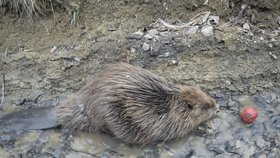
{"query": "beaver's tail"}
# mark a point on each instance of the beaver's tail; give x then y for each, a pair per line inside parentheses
(71, 115)
(30, 119)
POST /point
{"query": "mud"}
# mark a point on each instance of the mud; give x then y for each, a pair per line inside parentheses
(45, 60)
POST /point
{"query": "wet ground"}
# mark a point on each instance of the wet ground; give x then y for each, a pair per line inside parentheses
(45, 60)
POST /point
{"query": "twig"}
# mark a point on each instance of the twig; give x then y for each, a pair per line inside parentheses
(185, 25)
(203, 13)
(6, 52)
(174, 27)
(3, 92)
(206, 2)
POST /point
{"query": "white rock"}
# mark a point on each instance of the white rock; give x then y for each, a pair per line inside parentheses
(148, 36)
(146, 47)
(140, 33)
(173, 62)
(278, 20)
(246, 26)
(192, 30)
(207, 30)
(132, 50)
(213, 20)
(53, 49)
(153, 32)
(273, 56)
(165, 55)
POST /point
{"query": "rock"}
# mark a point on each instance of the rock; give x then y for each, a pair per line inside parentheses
(213, 20)
(227, 155)
(136, 35)
(207, 30)
(246, 26)
(278, 20)
(153, 32)
(149, 37)
(140, 33)
(165, 55)
(273, 56)
(192, 30)
(53, 49)
(146, 47)
(132, 50)
(173, 62)
(228, 82)
(218, 149)
(262, 156)
(276, 43)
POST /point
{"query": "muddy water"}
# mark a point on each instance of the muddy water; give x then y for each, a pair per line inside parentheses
(223, 136)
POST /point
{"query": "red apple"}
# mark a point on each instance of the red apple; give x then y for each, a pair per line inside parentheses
(249, 114)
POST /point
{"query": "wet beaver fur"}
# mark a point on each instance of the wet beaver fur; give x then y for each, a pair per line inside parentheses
(136, 106)
(132, 104)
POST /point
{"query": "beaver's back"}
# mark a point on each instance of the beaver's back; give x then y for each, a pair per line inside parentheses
(129, 101)
(132, 104)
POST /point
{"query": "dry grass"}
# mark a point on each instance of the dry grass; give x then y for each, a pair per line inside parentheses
(32, 7)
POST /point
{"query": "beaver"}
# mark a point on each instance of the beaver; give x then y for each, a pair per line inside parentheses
(128, 102)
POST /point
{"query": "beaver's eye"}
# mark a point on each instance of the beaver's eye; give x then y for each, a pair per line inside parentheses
(190, 106)
(206, 107)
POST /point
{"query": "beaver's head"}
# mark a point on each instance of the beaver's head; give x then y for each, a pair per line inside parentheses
(196, 105)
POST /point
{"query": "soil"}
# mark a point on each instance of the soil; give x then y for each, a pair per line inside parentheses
(47, 58)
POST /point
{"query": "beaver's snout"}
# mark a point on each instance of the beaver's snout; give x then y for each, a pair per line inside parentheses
(218, 108)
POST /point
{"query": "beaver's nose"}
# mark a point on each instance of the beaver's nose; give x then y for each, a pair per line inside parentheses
(218, 108)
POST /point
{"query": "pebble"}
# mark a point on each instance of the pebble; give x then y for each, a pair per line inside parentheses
(207, 30)
(213, 20)
(140, 33)
(218, 149)
(165, 55)
(136, 35)
(262, 156)
(228, 82)
(146, 47)
(192, 30)
(149, 37)
(273, 56)
(278, 20)
(246, 26)
(53, 49)
(153, 32)
(132, 50)
(173, 62)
